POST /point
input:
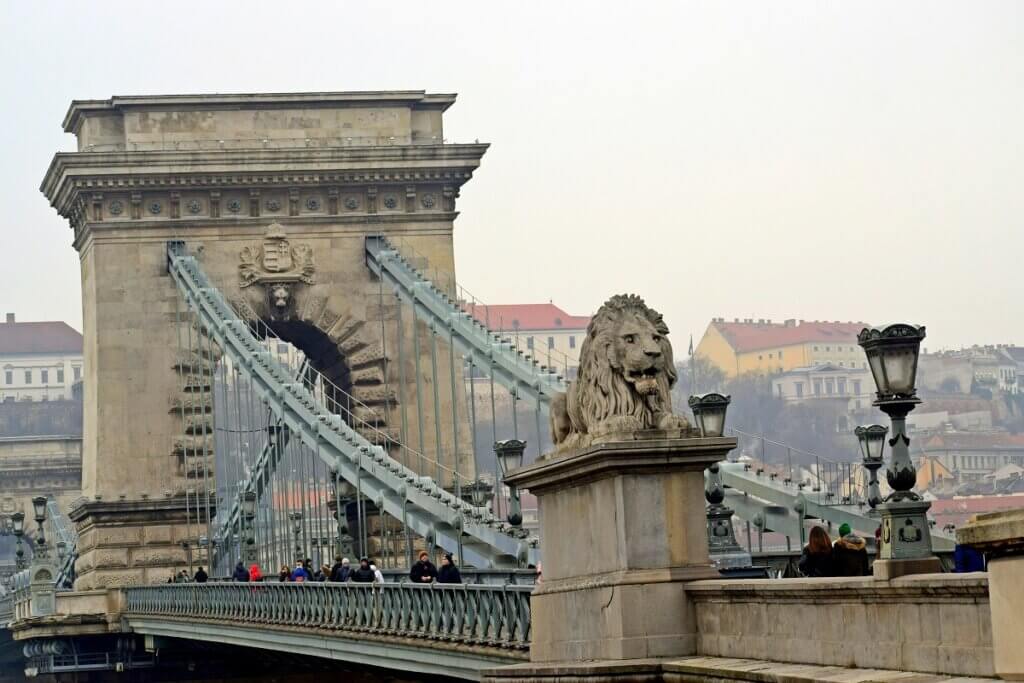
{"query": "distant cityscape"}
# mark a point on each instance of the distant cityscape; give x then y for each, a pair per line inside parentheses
(967, 437)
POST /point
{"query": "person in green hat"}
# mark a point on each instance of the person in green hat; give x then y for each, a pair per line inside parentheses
(849, 553)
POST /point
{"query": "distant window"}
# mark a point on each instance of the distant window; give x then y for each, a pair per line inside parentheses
(760, 358)
(28, 377)
(529, 342)
(779, 386)
(282, 347)
(77, 372)
(799, 389)
(828, 348)
(841, 386)
(780, 355)
(864, 365)
(815, 348)
(515, 324)
(551, 342)
(44, 376)
(817, 387)
(60, 375)
(856, 388)
(558, 322)
(8, 377)
(572, 341)
(856, 404)
(829, 386)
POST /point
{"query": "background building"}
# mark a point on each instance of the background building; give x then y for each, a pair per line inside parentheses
(39, 361)
(851, 386)
(764, 346)
(543, 331)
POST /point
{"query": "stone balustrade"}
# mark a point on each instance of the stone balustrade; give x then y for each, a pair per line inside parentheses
(932, 623)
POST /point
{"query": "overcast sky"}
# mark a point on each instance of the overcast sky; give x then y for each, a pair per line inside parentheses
(816, 160)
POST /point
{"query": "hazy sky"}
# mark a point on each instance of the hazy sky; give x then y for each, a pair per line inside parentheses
(819, 160)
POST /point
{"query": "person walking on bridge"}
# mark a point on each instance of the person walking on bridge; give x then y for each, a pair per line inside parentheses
(241, 574)
(341, 571)
(363, 574)
(850, 553)
(816, 559)
(448, 573)
(423, 571)
(201, 576)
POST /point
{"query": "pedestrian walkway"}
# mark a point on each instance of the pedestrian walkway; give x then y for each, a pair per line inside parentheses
(719, 670)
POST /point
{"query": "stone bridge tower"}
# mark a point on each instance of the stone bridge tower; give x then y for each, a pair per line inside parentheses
(275, 193)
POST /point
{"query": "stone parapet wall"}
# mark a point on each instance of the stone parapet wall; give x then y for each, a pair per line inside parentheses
(933, 623)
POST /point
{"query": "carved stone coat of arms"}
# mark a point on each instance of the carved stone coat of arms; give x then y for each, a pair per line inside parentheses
(278, 267)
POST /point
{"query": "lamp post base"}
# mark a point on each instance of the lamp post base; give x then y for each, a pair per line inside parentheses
(906, 540)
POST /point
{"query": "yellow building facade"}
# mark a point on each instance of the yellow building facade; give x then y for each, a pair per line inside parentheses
(762, 346)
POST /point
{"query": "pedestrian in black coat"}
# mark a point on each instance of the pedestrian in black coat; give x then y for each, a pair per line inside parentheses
(448, 573)
(423, 571)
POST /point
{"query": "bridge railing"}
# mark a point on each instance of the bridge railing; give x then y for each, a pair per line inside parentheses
(496, 616)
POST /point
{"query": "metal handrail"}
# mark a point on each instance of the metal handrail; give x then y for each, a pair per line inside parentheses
(473, 614)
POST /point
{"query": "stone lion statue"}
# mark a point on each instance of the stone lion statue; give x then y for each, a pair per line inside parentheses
(625, 377)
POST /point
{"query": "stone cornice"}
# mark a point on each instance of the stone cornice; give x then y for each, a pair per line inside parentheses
(418, 99)
(71, 173)
(649, 452)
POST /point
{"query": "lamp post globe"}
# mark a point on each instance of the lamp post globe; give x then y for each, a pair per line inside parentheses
(39, 508)
(892, 352)
(510, 457)
(709, 413)
(18, 524)
(872, 447)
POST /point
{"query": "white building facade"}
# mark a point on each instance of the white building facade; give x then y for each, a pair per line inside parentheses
(39, 361)
(826, 381)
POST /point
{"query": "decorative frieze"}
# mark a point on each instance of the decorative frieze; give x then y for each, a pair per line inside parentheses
(173, 204)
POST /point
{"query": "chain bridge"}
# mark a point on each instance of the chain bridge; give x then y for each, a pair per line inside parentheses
(281, 365)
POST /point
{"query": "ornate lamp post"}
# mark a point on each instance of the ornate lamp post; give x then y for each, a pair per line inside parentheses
(296, 518)
(18, 528)
(709, 413)
(725, 552)
(892, 354)
(510, 457)
(872, 447)
(39, 508)
(249, 554)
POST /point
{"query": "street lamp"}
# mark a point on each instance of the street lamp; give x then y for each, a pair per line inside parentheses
(872, 447)
(249, 513)
(296, 518)
(892, 354)
(18, 528)
(39, 508)
(510, 457)
(709, 413)
(725, 552)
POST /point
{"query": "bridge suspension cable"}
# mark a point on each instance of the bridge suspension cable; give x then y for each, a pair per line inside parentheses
(327, 425)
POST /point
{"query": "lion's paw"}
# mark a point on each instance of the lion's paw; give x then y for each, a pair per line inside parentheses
(670, 422)
(618, 424)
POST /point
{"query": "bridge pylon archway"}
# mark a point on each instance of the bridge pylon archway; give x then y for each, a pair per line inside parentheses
(275, 194)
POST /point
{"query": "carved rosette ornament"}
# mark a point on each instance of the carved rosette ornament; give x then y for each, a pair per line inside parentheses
(277, 267)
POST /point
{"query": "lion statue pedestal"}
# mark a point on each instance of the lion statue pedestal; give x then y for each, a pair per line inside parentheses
(621, 503)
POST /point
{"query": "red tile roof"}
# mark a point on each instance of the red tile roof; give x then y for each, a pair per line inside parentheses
(744, 337)
(959, 510)
(41, 337)
(527, 317)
